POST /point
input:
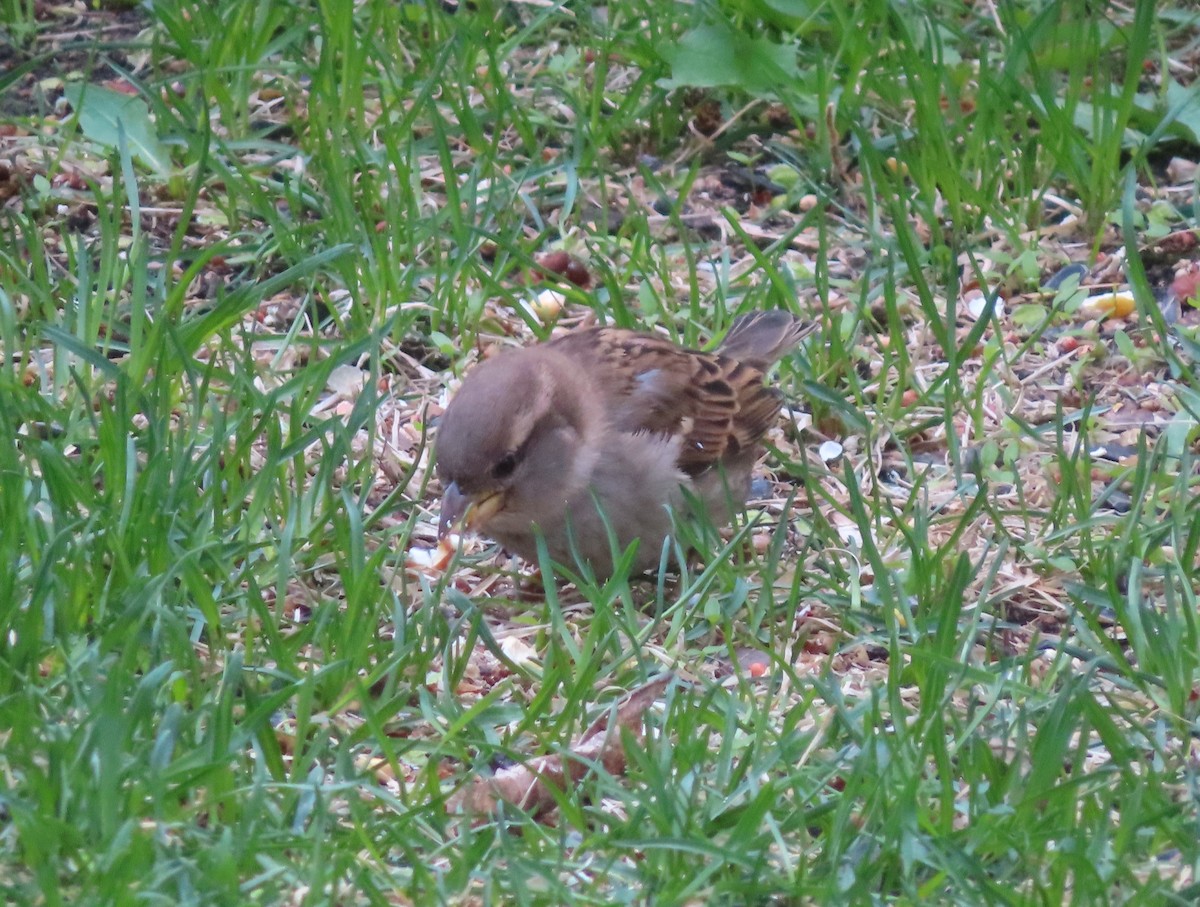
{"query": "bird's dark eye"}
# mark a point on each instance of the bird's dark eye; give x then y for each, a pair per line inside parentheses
(505, 466)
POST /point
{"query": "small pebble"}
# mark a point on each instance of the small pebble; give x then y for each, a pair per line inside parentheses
(1060, 277)
(760, 488)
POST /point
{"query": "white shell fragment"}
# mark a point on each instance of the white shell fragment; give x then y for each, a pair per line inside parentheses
(347, 382)
(517, 650)
(979, 305)
(829, 451)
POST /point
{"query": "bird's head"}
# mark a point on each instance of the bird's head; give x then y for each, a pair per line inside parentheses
(509, 444)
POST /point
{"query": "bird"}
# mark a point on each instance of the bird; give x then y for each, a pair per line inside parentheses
(593, 438)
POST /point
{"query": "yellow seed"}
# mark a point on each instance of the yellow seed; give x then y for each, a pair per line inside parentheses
(1108, 305)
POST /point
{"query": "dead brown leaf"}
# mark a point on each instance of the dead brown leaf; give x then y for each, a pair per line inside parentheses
(531, 786)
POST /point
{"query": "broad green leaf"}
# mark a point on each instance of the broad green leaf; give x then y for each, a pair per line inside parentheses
(1178, 114)
(1185, 104)
(103, 112)
(714, 55)
(1028, 314)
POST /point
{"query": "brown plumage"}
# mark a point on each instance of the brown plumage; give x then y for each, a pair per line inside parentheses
(536, 437)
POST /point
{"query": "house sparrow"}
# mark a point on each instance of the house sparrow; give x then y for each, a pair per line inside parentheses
(605, 427)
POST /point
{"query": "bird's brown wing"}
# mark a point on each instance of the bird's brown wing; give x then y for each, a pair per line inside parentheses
(717, 405)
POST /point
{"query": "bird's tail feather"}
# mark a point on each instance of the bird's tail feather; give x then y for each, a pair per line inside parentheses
(760, 338)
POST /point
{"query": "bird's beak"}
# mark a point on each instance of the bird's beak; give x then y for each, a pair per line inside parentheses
(471, 512)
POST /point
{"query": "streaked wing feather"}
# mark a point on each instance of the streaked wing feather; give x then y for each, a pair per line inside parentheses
(718, 404)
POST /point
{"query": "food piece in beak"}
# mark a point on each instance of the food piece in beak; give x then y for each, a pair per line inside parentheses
(472, 512)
